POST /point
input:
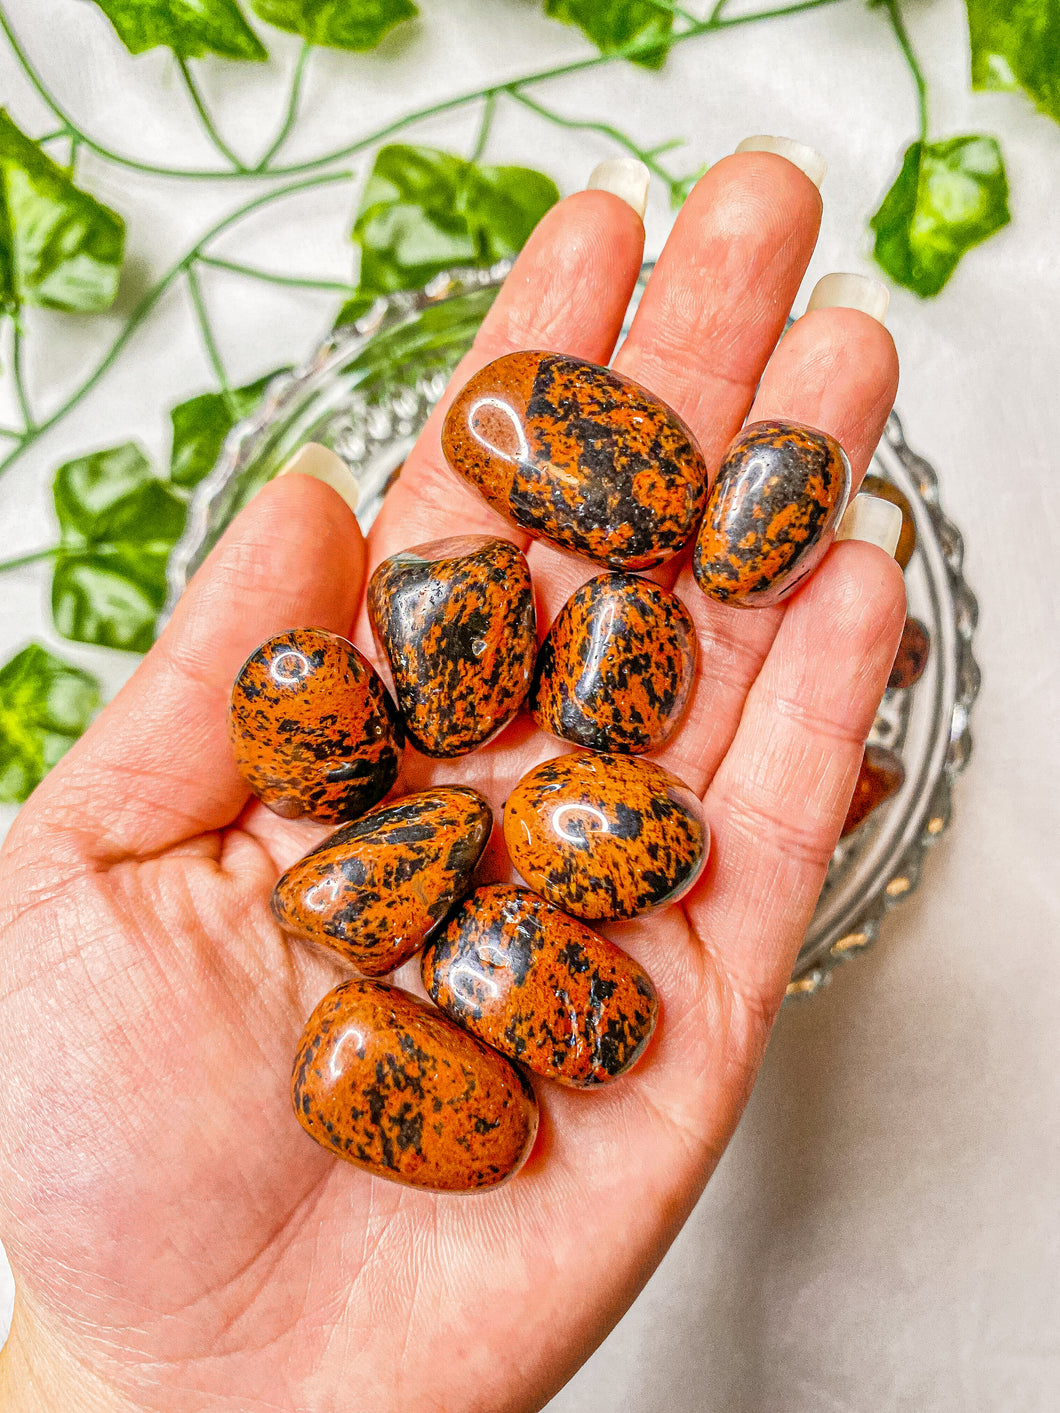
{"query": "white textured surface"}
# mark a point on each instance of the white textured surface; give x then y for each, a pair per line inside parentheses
(883, 1232)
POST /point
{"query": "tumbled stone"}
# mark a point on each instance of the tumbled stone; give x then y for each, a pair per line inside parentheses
(605, 836)
(881, 776)
(617, 667)
(312, 727)
(772, 513)
(456, 621)
(387, 1082)
(580, 456)
(886, 490)
(376, 888)
(912, 655)
(541, 987)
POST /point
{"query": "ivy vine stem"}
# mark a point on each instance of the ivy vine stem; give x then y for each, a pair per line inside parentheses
(206, 118)
(291, 110)
(902, 35)
(34, 557)
(270, 277)
(209, 339)
(18, 377)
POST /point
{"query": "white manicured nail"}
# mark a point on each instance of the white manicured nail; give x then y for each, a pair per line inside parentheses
(624, 177)
(874, 520)
(843, 291)
(807, 159)
(323, 465)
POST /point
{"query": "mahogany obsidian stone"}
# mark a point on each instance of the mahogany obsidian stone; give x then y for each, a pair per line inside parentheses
(387, 1082)
(772, 513)
(375, 889)
(605, 836)
(617, 667)
(456, 621)
(881, 776)
(580, 456)
(312, 727)
(912, 655)
(541, 987)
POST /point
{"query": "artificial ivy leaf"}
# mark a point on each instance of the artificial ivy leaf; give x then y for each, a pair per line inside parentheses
(948, 197)
(190, 28)
(1016, 44)
(200, 426)
(58, 246)
(426, 211)
(341, 24)
(614, 24)
(45, 704)
(117, 524)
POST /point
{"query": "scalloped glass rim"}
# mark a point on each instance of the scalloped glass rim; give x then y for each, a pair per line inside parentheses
(366, 392)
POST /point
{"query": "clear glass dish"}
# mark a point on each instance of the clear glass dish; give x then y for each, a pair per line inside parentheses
(367, 391)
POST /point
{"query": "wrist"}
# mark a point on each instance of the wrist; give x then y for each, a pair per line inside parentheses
(39, 1375)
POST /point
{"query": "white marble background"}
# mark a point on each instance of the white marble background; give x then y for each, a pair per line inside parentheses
(884, 1233)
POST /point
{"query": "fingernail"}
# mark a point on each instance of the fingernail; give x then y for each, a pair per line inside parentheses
(843, 291)
(807, 159)
(874, 520)
(624, 177)
(323, 465)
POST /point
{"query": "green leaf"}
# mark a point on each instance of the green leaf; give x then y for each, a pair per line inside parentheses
(614, 24)
(341, 24)
(426, 211)
(1016, 45)
(45, 704)
(948, 197)
(190, 28)
(58, 246)
(117, 524)
(201, 424)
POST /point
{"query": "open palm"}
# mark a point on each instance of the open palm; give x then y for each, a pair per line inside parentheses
(178, 1241)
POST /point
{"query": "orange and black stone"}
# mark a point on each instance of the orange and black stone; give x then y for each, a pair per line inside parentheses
(605, 836)
(387, 1082)
(912, 655)
(887, 490)
(617, 667)
(313, 728)
(376, 888)
(541, 987)
(456, 621)
(772, 513)
(580, 456)
(880, 777)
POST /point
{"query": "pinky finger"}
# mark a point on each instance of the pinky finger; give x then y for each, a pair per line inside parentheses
(778, 800)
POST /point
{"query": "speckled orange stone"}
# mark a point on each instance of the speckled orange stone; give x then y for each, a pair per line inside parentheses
(881, 776)
(772, 513)
(456, 621)
(580, 456)
(375, 889)
(911, 657)
(605, 836)
(617, 666)
(541, 987)
(877, 486)
(312, 727)
(393, 1086)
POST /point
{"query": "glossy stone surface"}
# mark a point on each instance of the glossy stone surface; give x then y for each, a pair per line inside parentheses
(541, 987)
(376, 888)
(577, 455)
(877, 486)
(617, 667)
(912, 655)
(387, 1082)
(772, 513)
(881, 775)
(456, 621)
(605, 836)
(312, 727)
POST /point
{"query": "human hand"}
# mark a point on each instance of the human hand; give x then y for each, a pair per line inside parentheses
(178, 1242)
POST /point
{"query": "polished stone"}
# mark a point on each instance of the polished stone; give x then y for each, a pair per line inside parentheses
(912, 655)
(387, 1082)
(880, 777)
(313, 729)
(575, 454)
(456, 621)
(877, 486)
(377, 888)
(605, 836)
(617, 667)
